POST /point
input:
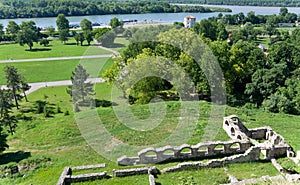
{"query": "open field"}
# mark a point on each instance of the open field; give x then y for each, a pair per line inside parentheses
(56, 142)
(56, 70)
(55, 49)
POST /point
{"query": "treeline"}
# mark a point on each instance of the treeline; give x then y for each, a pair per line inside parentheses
(278, 3)
(49, 8)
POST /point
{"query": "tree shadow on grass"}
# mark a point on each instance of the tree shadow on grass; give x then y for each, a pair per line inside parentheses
(71, 44)
(115, 45)
(13, 157)
(39, 49)
(104, 103)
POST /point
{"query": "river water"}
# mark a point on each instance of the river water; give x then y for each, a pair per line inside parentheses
(153, 17)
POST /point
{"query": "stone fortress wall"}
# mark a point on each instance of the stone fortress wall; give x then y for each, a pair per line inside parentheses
(246, 145)
(271, 144)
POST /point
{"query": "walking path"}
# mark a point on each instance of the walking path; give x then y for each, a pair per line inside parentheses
(56, 58)
(38, 85)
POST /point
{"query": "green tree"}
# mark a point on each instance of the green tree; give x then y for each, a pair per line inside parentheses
(63, 35)
(76, 37)
(244, 59)
(80, 38)
(222, 33)
(62, 22)
(6, 119)
(25, 87)
(3, 140)
(98, 32)
(270, 29)
(28, 34)
(265, 82)
(207, 28)
(88, 37)
(15, 82)
(86, 25)
(115, 22)
(283, 11)
(12, 28)
(1, 31)
(50, 31)
(44, 42)
(80, 90)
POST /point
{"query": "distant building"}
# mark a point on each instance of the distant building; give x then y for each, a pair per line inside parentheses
(189, 21)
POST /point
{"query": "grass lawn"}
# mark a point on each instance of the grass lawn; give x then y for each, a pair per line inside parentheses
(56, 70)
(55, 49)
(56, 142)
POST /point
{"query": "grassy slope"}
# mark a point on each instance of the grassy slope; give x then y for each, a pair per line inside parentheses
(55, 49)
(59, 139)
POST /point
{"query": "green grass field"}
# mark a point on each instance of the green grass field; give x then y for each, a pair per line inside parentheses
(56, 142)
(55, 49)
(56, 70)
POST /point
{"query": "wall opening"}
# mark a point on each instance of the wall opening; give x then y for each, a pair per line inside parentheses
(203, 149)
(151, 154)
(226, 123)
(219, 148)
(235, 146)
(186, 151)
(239, 137)
(169, 152)
(232, 131)
(235, 120)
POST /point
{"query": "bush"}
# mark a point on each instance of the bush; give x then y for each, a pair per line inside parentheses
(277, 103)
(44, 42)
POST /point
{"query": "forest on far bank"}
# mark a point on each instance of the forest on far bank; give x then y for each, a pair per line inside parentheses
(279, 3)
(48, 8)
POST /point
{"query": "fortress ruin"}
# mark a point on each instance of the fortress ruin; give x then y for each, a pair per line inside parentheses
(247, 145)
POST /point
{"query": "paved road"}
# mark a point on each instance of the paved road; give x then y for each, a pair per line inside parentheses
(38, 85)
(56, 58)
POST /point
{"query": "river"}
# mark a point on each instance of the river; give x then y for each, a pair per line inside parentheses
(153, 17)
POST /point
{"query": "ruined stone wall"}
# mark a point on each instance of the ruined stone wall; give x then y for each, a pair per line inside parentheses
(251, 154)
(235, 129)
(183, 152)
(274, 145)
